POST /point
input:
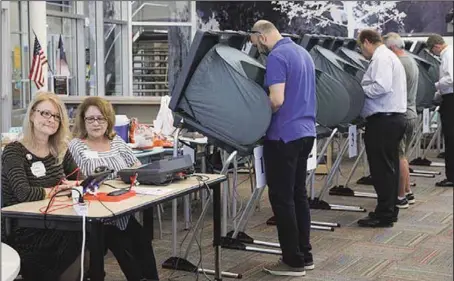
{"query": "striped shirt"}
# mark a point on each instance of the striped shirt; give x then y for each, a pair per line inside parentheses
(46, 253)
(119, 157)
(21, 182)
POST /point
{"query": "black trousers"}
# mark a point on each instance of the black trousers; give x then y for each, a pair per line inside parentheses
(132, 250)
(447, 126)
(382, 139)
(285, 167)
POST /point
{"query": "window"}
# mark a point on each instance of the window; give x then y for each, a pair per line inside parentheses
(65, 47)
(158, 55)
(112, 10)
(161, 11)
(62, 54)
(162, 35)
(62, 6)
(113, 51)
(115, 38)
(19, 56)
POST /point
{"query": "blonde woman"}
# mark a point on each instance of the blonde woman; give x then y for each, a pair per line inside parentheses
(31, 167)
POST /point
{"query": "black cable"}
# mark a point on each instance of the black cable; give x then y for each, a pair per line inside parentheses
(114, 215)
(198, 177)
(200, 247)
(202, 182)
(114, 187)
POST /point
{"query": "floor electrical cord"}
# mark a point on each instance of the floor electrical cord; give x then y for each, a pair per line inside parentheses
(82, 254)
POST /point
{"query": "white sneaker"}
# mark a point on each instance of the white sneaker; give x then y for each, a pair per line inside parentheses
(282, 269)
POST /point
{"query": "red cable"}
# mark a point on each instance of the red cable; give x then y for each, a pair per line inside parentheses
(52, 197)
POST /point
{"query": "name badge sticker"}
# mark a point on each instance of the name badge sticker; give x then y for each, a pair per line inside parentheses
(38, 169)
(91, 154)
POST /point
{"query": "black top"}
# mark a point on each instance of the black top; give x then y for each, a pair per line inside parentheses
(25, 175)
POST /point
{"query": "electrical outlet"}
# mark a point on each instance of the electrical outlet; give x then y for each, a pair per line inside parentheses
(75, 193)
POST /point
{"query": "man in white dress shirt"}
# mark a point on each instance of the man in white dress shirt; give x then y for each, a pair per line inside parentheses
(385, 86)
(436, 44)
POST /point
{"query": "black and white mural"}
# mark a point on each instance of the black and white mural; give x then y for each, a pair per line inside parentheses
(337, 18)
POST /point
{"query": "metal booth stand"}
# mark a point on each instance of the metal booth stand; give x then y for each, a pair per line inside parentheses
(182, 263)
(237, 239)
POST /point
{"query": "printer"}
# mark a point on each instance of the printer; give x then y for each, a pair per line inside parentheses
(159, 172)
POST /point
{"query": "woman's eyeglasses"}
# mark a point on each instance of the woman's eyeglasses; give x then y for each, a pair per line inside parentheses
(92, 119)
(47, 114)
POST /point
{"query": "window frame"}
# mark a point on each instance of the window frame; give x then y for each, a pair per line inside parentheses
(126, 45)
(79, 49)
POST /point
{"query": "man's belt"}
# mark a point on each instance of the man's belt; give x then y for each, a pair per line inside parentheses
(384, 114)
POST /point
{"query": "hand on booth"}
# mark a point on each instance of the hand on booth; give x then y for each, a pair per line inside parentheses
(437, 98)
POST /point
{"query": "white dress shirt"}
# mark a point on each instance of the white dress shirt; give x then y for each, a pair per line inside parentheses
(444, 85)
(384, 84)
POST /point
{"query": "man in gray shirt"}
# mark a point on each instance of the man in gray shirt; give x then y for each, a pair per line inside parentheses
(395, 43)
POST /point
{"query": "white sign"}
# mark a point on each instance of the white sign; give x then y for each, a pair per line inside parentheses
(352, 141)
(425, 121)
(189, 151)
(259, 164)
(312, 158)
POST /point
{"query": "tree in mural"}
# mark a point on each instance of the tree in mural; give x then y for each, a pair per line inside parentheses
(238, 15)
(353, 15)
(207, 23)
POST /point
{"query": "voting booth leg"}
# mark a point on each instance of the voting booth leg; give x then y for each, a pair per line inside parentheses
(344, 190)
(239, 240)
(422, 160)
(175, 201)
(183, 263)
(318, 203)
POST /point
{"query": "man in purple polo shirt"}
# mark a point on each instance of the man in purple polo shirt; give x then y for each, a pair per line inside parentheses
(290, 77)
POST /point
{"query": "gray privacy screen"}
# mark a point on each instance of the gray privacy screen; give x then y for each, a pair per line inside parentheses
(333, 100)
(426, 87)
(349, 75)
(225, 95)
(433, 72)
(353, 57)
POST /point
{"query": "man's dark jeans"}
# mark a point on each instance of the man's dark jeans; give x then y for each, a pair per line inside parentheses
(285, 167)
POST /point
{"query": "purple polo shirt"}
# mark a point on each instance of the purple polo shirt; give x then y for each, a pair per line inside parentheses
(291, 64)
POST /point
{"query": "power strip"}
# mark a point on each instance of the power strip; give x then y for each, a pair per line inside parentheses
(81, 208)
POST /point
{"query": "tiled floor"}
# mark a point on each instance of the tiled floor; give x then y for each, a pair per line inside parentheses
(419, 247)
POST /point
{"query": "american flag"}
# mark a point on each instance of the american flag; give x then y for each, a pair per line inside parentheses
(39, 60)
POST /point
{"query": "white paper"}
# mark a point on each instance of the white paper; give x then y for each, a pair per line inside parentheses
(425, 121)
(187, 150)
(352, 141)
(312, 158)
(259, 164)
(154, 191)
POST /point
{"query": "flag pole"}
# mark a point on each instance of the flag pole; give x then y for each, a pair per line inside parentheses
(59, 51)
